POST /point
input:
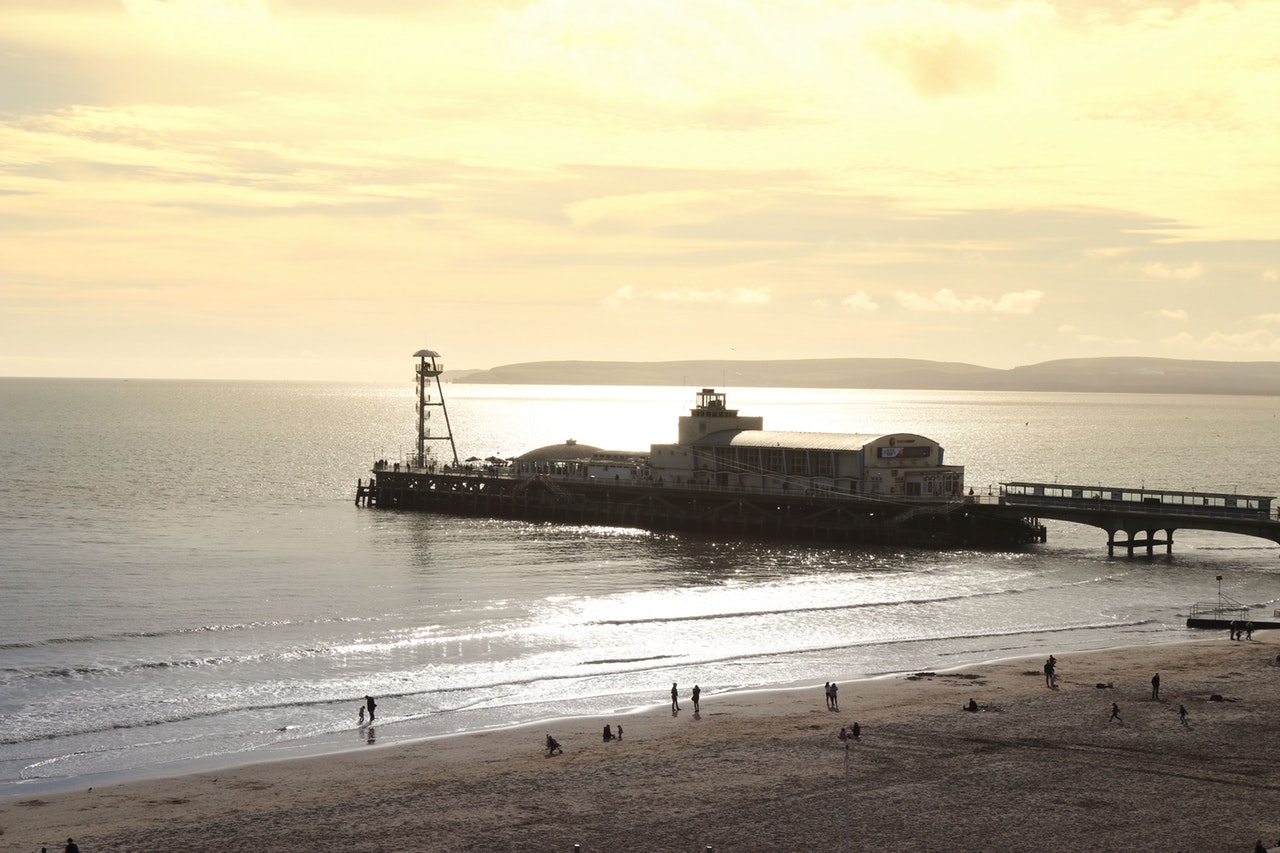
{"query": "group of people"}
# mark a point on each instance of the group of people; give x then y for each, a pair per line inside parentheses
(369, 706)
(849, 733)
(1241, 632)
(833, 696)
(695, 696)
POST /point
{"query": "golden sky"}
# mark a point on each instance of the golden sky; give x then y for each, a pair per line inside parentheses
(315, 189)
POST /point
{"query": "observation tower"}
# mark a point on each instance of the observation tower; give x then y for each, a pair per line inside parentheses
(429, 368)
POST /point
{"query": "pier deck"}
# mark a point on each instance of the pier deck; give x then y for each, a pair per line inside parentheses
(639, 503)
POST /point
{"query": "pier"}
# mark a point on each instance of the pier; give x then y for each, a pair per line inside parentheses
(1147, 518)
(727, 475)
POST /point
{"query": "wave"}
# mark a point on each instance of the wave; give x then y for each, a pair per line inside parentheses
(178, 632)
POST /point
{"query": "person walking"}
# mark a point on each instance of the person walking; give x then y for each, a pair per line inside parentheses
(1182, 714)
(1115, 713)
(1155, 687)
(675, 698)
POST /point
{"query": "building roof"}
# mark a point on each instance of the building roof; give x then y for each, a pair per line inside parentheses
(782, 438)
(570, 451)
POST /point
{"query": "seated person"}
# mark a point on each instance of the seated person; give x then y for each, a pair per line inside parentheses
(553, 746)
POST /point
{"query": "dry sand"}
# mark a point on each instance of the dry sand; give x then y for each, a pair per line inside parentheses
(764, 771)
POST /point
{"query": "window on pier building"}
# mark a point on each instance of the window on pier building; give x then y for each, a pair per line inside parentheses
(799, 462)
(725, 459)
(824, 464)
(773, 460)
(751, 459)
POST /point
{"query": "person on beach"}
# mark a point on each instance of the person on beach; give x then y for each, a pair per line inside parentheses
(826, 689)
(844, 736)
(835, 697)
(697, 691)
(370, 705)
(608, 733)
(553, 746)
(619, 731)
(1115, 713)
(675, 698)
(1248, 630)
(1182, 714)
(1155, 687)
(1050, 671)
(362, 715)
(71, 847)
(856, 732)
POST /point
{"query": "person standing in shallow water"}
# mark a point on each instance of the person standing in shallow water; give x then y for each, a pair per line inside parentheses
(370, 705)
(675, 698)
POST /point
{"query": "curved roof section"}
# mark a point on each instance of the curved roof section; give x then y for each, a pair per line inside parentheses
(426, 353)
(781, 438)
(570, 451)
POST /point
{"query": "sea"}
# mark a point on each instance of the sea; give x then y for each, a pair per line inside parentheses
(188, 584)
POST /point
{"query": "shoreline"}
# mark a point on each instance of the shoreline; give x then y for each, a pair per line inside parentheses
(761, 769)
(327, 745)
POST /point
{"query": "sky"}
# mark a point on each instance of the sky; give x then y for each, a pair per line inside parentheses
(316, 189)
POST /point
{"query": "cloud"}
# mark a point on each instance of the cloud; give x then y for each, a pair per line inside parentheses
(730, 296)
(1268, 318)
(1158, 271)
(1169, 313)
(946, 301)
(859, 301)
(1271, 275)
(1254, 341)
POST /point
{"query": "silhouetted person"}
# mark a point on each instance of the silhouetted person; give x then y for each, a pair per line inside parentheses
(71, 847)
(856, 732)
(697, 691)
(370, 705)
(1182, 714)
(835, 698)
(608, 733)
(675, 698)
(1115, 713)
(1155, 686)
(553, 746)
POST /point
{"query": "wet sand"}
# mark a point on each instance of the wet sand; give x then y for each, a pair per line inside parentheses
(764, 771)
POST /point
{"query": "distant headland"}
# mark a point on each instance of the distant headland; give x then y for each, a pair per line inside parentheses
(1114, 375)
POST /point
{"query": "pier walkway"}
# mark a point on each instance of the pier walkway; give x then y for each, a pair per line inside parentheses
(1143, 515)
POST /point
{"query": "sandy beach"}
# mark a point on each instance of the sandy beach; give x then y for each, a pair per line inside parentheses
(1035, 768)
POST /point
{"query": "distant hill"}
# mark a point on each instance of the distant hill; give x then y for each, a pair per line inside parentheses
(1129, 375)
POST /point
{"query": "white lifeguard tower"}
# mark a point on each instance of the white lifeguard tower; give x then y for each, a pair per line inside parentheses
(430, 367)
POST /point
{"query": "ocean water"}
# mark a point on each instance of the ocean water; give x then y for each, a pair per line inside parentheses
(187, 583)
